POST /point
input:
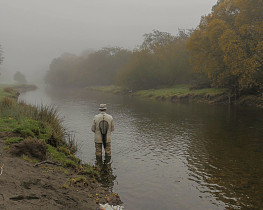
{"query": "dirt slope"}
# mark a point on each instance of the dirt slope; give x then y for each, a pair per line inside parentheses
(23, 186)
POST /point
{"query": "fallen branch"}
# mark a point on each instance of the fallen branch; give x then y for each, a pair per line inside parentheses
(47, 162)
(2, 169)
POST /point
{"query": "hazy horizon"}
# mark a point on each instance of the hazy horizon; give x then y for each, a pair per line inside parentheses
(34, 32)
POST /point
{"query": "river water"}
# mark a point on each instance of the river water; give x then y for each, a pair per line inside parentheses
(170, 156)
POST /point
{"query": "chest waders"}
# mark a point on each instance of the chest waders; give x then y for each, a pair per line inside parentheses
(104, 125)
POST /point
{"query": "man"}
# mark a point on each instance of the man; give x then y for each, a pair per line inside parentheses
(102, 127)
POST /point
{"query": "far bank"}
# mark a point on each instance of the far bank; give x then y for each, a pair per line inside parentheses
(184, 93)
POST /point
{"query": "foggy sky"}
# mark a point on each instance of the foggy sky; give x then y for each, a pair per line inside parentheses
(33, 32)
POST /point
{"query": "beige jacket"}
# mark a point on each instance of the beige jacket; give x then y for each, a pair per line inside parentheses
(95, 126)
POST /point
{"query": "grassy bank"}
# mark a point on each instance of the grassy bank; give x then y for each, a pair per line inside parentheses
(110, 89)
(14, 90)
(181, 92)
(176, 93)
(207, 95)
(23, 126)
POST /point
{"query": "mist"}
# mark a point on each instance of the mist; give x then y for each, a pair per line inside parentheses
(34, 32)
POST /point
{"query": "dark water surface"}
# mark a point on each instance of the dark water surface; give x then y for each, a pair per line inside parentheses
(171, 156)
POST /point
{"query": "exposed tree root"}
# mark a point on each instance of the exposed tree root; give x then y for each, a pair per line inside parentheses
(47, 162)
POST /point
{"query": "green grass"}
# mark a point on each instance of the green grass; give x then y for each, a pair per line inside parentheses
(61, 158)
(28, 159)
(6, 91)
(12, 140)
(111, 88)
(26, 128)
(88, 169)
(179, 91)
(40, 122)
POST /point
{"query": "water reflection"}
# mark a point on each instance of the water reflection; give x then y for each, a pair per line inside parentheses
(104, 166)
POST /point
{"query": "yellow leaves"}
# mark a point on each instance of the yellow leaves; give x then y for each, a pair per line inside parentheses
(215, 29)
(245, 30)
(228, 46)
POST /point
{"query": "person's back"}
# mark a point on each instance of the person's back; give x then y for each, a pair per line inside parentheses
(102, 127)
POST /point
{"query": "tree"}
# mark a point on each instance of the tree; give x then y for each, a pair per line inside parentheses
(161, 60)
(20, 78)
(156, 39)
(227, 45)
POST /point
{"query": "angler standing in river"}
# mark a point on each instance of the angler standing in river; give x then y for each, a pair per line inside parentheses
(102, 127)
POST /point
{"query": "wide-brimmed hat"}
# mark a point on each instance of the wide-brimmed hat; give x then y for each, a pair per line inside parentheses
(102, 107)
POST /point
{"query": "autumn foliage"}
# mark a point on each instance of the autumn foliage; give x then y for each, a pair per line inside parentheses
(227, 47)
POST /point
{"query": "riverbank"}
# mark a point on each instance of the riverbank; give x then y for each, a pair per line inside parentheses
(14, 90)
(24, 88)
(39, 168)
(184, 93)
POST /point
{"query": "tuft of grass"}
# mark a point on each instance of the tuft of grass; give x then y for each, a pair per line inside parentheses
(31, 160)
(13, 140)
(61, 157)
(87, 169)
(80, 179)
(71, 142)
(66, 151)
(65, 186)
(65, 171)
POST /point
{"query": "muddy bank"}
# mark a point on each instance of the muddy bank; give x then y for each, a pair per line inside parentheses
(48, 186)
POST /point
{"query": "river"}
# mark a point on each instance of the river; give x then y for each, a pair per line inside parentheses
(170, 156)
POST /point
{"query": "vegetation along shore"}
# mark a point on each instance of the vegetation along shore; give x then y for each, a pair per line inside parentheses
(38, 168)
(186, 93)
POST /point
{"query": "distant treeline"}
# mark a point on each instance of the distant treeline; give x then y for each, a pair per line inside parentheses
(95, 68)
(225, 50)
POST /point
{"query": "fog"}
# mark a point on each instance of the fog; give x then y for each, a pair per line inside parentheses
(33, 32)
